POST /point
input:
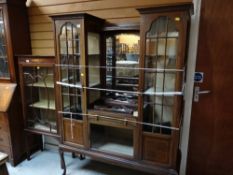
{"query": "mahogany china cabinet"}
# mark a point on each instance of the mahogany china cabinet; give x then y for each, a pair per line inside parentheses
(14, 39)
(119, 93)
(38, 97)
(78, 41)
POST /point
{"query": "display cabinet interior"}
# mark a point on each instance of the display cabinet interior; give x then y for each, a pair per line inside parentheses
(112, 140)
(121, 76)
(39, 103)
(163, 50)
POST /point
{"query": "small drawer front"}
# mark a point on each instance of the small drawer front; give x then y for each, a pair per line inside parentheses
(73, 131)
(114, 122)
(4, 139)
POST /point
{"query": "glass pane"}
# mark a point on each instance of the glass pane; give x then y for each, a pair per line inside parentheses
(161, 53)
(69, 69)
(158, 28)
(122, 74)
(94, 58)
(112, 140)
(4, 68)
(93, 65)
(109, 62)
(40, 98)
(127, 61)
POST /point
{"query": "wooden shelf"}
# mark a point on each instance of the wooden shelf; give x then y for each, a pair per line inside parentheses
(43, 104)
(49, 84)
(41, 127)
(77, 85)
(152, 91)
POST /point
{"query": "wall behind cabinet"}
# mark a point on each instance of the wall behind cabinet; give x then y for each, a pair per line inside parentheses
(114, 11)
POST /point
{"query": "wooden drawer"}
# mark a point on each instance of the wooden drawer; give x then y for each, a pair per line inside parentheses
(113, 121)
(4, 138)
(156, 148)
(73, 132)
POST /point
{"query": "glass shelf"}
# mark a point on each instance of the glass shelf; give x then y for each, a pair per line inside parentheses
(44, 104)
(152, 91)
(49, 84)
(42, 127)
(39, 96)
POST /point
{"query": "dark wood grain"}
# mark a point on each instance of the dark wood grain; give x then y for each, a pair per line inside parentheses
(147, 18)
(33, 136)
(152, 153)
(17, 42)
(211, 136)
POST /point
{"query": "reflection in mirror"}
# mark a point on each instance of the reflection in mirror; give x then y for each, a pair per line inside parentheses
(4, 68)
(122, 52)
(122, 75)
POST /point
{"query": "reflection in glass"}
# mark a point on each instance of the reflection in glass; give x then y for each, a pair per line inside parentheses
(40, 99)
(4, 69)
(69, 40)
(112, 140)
(161, 53)
(122, 74)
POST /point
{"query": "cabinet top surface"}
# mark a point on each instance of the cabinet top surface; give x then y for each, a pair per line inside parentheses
(75, 16)
(187, 6)
(13, 2)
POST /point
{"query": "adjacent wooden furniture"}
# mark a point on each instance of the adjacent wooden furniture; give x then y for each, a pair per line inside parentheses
(38, 96)
(210, 144)
(113, 105)
(14, 39)
(3, 168)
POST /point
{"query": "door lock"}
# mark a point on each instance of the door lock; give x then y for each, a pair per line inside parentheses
(197, 92)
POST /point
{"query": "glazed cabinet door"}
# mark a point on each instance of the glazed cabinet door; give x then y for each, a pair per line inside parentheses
(163, 48)
(70, 78)
(38, 94)
(78, 55)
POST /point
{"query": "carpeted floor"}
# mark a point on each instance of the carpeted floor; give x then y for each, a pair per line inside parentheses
(48, 163)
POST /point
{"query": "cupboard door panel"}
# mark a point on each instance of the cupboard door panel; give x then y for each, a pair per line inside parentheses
(156, 149)
(73, 131)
